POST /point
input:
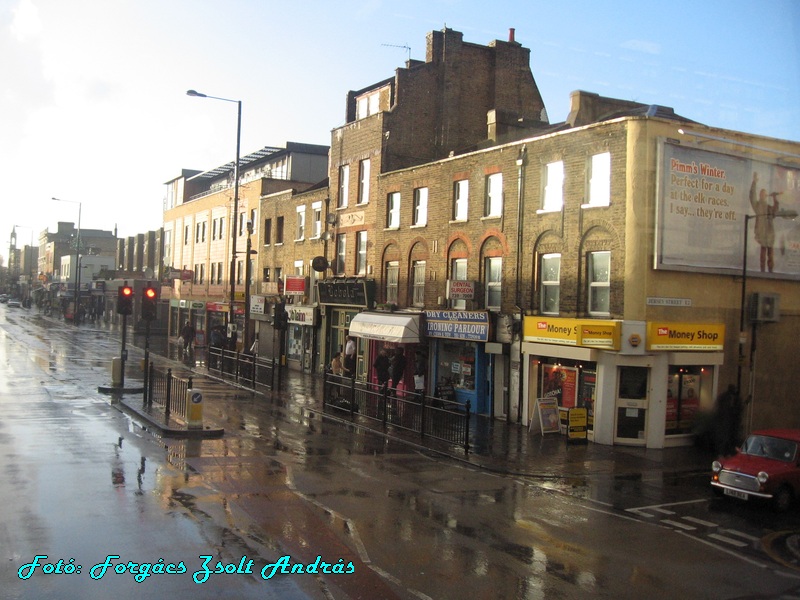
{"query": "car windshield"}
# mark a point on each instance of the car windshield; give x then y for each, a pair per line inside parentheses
(770, 447)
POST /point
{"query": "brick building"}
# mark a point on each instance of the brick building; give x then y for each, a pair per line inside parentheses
(595, 263)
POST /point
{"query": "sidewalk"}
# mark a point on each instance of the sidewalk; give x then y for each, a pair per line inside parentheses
(495, 445)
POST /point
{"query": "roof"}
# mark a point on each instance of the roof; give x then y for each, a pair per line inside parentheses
(786, 434)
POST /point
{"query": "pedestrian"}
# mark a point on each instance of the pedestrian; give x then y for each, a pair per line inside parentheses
(398, 367)
(419, 374)
(187, 333)
(350, 356)
(728, 422)
(336, 364)
(217, 340)
(382, 366)
(232, 341)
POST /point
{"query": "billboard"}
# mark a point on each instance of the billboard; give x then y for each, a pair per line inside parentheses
(703, 201)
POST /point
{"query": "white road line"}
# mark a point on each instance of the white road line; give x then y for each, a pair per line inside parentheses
(659, 507)
(663, 510)
(741, 535)
(727, 540)
(700, 522)
(679, 525)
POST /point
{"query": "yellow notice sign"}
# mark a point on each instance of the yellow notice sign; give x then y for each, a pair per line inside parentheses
(685, 336)
(599, 334)
(577, 424)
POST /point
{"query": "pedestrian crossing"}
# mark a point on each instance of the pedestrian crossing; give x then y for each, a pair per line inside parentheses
(669, 516)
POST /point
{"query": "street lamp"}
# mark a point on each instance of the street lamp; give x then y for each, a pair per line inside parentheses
(77, 260)
(197, 94)
(248, 274)
(782, 214)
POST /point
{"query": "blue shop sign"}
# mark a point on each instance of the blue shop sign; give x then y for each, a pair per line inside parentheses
(457, 325)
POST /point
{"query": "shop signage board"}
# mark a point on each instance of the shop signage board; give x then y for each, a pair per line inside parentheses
(257, 305)
(460, 290)
(295, 285)
(548, 415)
(589, 333)
(708, 337)
(301, 315)
(358, 292)
(577, 425)
(457, 325)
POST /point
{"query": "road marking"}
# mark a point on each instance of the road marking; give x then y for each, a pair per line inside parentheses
(741, 535)
(683, 526)
(728, 540)
(640, 510)
(700, 522)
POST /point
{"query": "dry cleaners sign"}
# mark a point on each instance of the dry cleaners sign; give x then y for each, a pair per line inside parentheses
(457, 325)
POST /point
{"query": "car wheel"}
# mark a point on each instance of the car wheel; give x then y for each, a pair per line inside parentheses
(783, 499)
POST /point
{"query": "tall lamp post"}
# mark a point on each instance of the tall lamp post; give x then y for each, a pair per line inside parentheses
(782, 214)
(248, 274)
(197, 94)
(77, 260)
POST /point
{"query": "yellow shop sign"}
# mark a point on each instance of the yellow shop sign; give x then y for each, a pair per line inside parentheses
(685, 336)
(572, 332)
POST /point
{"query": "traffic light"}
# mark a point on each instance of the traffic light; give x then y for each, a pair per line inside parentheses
(281, 321)
(149, 302)
(125, 299)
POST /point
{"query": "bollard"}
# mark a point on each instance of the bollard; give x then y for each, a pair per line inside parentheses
(194, 409)
(116, 371)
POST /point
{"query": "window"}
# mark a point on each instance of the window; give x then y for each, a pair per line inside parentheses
(279, 230)
(267, 232)
(550, 283)
(458, 272)
(316, 220)
(186, 235)
(393, 210)
(219, 273)
(300, 232)
(460, 199)
(298, 267)
(420, 207)
(213, 272)
(418, 277)
(213, 233)
(202, 278)
(341, 253)
(252, 217)
(196, 274)
(241, 223)
(553, 186)
(599, 187)
(493, 278)
(266, 274)
(494, 195)
(599, 283)
(361, 253)
(392, 281)
(239, 271)
(367, 105)
(344, 186)
(363, 181)
(221, 228)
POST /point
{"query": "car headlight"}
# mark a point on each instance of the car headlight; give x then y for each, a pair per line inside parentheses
(762, 477)
(716, 466)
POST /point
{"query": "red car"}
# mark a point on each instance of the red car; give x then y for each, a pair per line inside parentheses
(767, 466)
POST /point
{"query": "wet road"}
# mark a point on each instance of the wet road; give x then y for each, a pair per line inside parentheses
(80, 480)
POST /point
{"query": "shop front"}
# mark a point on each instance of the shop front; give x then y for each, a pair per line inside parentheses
(642, 383)
(341, 300)
(300, 337)
(457, 344)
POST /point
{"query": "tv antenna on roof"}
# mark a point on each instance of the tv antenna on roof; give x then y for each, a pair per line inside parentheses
(406, 47)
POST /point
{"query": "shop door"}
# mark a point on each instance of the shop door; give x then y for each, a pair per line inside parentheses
(630, 423)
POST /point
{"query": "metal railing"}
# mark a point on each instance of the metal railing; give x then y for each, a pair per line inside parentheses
(245, 369)
(445, 420)
(166, 390)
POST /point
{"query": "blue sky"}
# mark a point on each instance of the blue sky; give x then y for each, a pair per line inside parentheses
(93, 106)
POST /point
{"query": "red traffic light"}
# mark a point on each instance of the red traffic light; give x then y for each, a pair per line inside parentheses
(127, 290)
(150, 293)
(125, 300)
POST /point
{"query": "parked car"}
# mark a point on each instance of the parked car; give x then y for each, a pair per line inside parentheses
(3, 298)
(14, 303)
(767, 467)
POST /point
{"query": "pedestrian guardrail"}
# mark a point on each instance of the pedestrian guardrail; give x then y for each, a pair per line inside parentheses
(446, 420)
(166, 390)
(245, 369)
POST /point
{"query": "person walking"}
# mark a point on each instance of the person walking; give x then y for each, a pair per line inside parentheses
(382, 366)
(187, 333)
(350, 356)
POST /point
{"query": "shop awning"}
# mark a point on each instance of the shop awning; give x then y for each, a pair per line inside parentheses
(400, 329)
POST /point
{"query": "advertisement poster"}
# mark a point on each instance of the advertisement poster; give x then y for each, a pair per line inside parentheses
(690, 402)
(560, 383)
(704, 199)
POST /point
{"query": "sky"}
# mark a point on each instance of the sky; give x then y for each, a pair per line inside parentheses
(94, 111)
